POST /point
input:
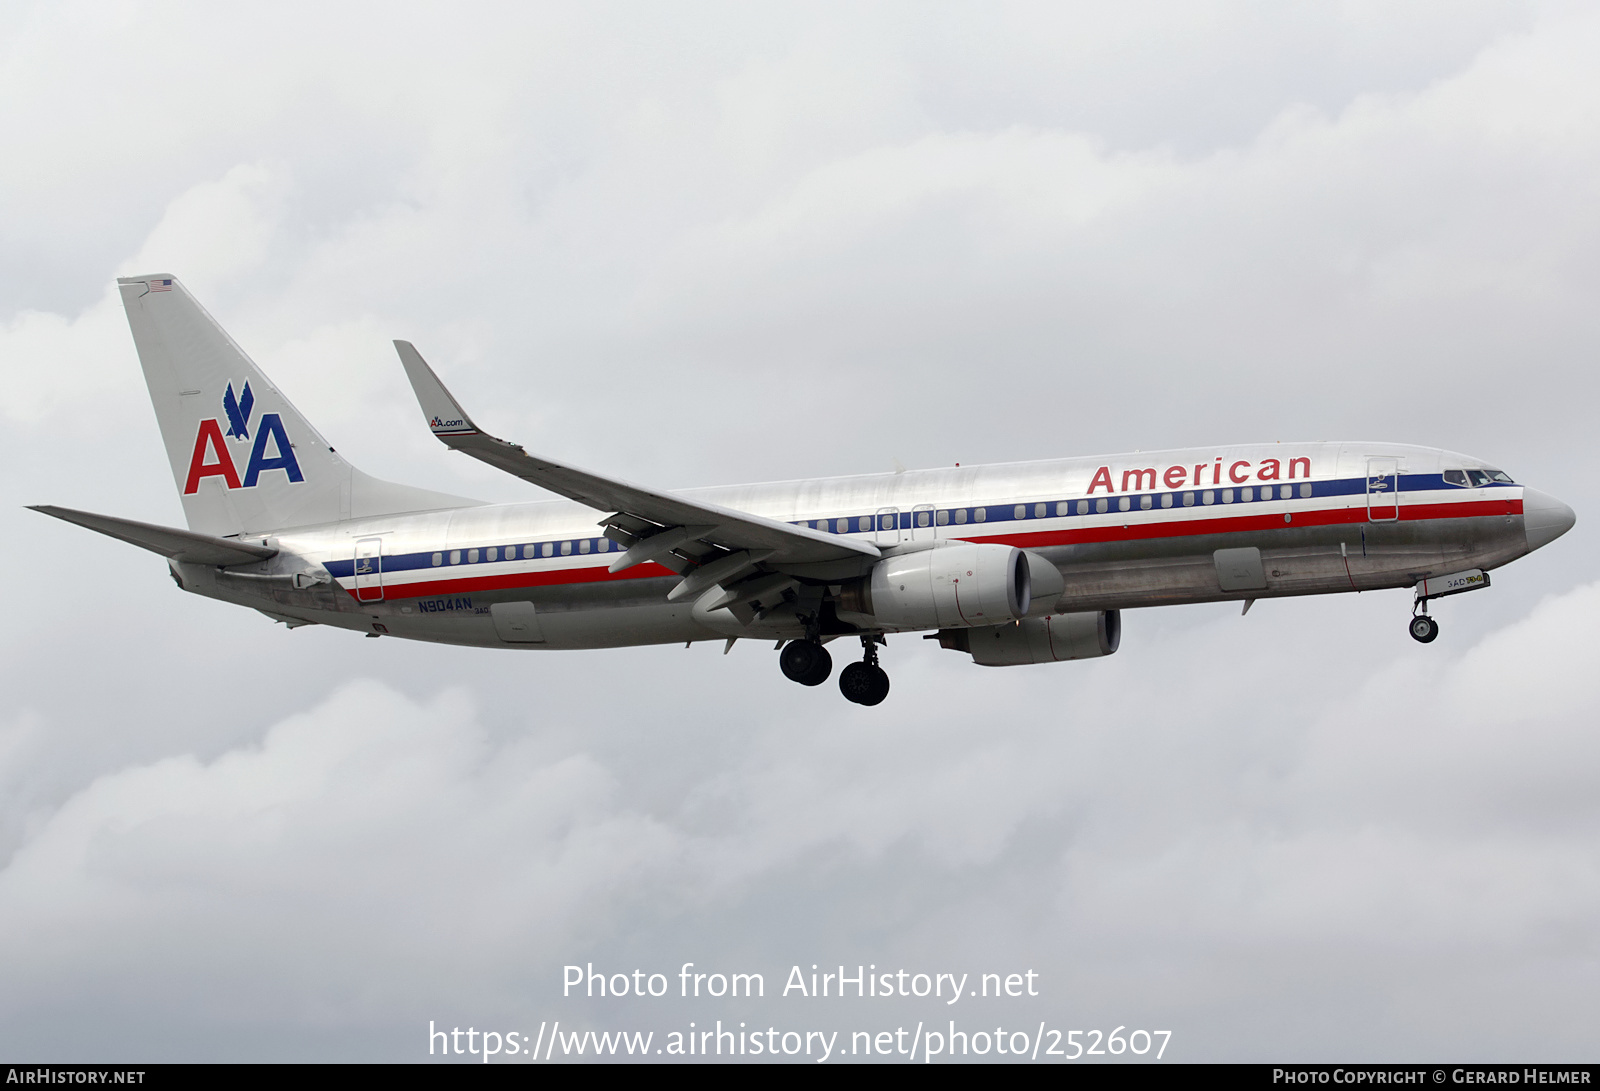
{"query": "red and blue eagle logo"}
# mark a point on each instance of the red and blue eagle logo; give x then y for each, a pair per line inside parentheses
(212, 457)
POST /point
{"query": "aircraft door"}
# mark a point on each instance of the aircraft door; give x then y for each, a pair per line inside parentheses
(922, 528)
(1383, 490)
(369, 570)
(888, 532)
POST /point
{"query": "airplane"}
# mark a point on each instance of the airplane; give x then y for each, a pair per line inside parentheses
(1019, 563)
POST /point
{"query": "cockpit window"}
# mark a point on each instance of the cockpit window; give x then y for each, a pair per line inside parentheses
(1476, 478)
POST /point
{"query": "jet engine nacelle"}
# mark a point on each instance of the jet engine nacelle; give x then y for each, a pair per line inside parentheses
(1052, 639)
(952, 586)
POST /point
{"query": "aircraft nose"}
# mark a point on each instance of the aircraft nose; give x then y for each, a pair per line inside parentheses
(1544, 518)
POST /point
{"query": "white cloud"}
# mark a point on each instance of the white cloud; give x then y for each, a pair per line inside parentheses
(224, 227)
(316, 859)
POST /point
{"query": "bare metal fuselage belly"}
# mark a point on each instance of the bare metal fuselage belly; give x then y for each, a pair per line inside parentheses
(1296, 561)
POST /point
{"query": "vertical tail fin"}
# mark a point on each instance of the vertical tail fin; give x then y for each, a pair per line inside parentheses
(243, 458)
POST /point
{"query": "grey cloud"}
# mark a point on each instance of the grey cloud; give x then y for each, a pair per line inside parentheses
(375, 850)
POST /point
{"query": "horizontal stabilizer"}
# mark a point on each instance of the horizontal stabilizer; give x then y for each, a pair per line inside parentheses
(174, 544)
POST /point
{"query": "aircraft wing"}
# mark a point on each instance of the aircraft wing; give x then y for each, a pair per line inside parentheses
(653, 524)
(170, 542)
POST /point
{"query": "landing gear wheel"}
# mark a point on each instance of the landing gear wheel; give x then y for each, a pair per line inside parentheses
(1424, 628)
(864, 683)
(806, 662)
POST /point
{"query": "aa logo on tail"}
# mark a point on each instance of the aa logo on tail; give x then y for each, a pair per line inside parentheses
(212, 457)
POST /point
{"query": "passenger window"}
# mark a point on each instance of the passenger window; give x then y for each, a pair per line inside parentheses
(1188, 499)
(1166, 500)
(864, 523)
(1227, 496)
(472, 556)
(1061, 509)
(583, 546)
(961, 515)
(922, 518)
(1019, 512)
(602, 545)
(455, 556)
(841, 525)
(1083, 507)
(1247, 494)
(1100, 506)
(494, 553)
(1305, 490)
(1285, 491)
(438, 559)
(549, 548)
(1455, 477)
(1124, 504)
(1208, 497)
(943, 518)
(1041, 510)
(1145, 502)
(566, 549)
(979, 514)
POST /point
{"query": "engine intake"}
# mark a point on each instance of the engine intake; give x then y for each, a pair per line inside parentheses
(947, 587)
(1052, 639)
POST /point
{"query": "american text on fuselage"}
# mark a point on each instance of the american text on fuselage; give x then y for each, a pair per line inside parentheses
(1011, 564)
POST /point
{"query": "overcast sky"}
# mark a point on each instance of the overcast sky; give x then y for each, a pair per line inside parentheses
(703, 244)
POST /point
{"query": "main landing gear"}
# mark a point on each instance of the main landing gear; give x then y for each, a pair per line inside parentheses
(865, 682)
(808, 662)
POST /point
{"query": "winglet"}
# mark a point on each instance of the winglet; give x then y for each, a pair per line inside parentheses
(443, 413)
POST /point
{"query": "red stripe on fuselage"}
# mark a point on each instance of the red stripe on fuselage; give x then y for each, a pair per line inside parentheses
(510, 581)
(1476, 509)
(1172, 528)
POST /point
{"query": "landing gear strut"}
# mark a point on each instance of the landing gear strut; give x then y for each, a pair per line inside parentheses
(865, 682)
(1423, 628)
(806, 662)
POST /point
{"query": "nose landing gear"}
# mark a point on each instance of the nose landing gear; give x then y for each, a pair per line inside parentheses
(1423, 628)
(865, 683)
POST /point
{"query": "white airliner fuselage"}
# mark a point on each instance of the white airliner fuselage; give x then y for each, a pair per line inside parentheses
(1015, 563)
